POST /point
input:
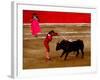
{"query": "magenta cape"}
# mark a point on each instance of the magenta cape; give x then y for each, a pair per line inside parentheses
(35, 28)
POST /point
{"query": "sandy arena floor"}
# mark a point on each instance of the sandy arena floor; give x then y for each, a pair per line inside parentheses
(34, 51)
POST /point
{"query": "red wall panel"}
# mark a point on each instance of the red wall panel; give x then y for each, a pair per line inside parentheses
(57, 17)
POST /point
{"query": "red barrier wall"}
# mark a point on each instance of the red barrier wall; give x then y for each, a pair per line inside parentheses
(57, 17)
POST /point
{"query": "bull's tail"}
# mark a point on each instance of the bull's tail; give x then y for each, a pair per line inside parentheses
(81, 47)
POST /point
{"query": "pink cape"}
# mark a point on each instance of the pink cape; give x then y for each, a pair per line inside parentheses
(35, 28)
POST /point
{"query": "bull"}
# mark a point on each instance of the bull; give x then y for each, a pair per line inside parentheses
(70, 46)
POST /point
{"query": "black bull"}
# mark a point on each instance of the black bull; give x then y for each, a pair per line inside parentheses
(68, 46)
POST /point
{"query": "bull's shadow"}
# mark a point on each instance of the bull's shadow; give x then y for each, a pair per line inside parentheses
(70, 46)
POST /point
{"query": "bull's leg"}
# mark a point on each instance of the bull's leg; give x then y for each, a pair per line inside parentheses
(66, 56)
(77, 53)
(82, 54)
(62, 53)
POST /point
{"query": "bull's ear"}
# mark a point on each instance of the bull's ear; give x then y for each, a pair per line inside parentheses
(57, 42)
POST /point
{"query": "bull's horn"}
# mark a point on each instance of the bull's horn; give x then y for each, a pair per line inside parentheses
(58, 41)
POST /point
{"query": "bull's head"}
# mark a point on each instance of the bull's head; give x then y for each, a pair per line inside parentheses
(58, 46)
